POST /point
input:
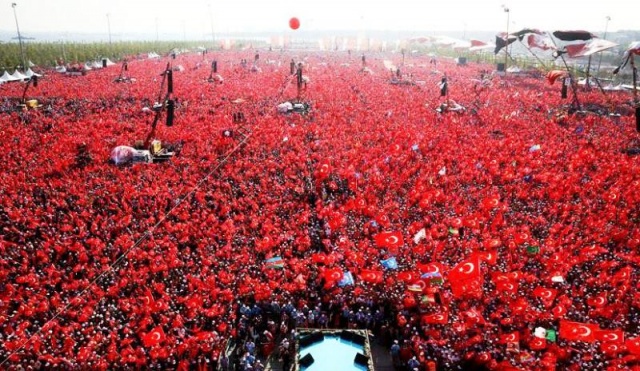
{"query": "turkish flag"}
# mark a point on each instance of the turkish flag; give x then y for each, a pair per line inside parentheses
(466, 270)
(474, 316)
(578, 331)
(431, 268)
(513, 338)
(389, 239)
(537, 343)
(371, 276)
(147, 299)
(546, 295)
(509, 287)
(598, 301)
(472, 287)
(154, 337)
(319, 258)
(436, 319)
(610, 336)
(633, 345)
(490, 257)
(333, 275)
(407, 276)
(611, 350)
(323, 170)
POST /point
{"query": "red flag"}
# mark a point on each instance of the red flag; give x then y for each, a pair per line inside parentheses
(590, 47)
(323, 170)
(546, 295)
(474, 316)
(319, 258)
(389, 239)
(430, 268)
(540, 42)
(436, 319)
(154, 337)
(478, 43)
(148, 299)
(472, 287)
(611, 350)
(578, 331)
(407, 276)
(610, 336)
(371, 276)
(509, 287)
(633, 345)
(552, 76)
(333, 275)
(598, 301)
(491, 257)
(537, 343)
(513, 338)
(466, 270)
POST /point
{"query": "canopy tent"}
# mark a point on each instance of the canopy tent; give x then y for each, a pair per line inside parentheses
(109, 62)
(30, 73)
(6, 77)
(61, 69)
(17, 76)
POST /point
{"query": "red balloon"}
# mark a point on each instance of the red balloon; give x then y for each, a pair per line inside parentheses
(294, 23)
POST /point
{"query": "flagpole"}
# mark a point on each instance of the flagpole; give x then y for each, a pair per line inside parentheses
(604, 37)
(506, 48)
(24, 60)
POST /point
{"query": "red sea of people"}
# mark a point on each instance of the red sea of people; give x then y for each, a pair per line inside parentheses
(503, 236)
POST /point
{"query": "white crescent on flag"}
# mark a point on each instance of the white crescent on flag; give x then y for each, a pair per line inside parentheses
(546, 294)
(155, 336)
(467, 268)
(433, 269)
(392, 240)
(510, 338)
(611, 337)
(585, 331)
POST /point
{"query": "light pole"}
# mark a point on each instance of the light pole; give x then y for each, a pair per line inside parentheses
(109, 26)
(506, 47)
(606, 26)
(15, 15)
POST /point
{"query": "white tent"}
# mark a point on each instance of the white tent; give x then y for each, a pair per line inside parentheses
(88, 66)
(18, 76)
(153, 55)
(30, 73)
(61, 69)
(6, 77)
(96, 64)
(30, 64)
(109, 62)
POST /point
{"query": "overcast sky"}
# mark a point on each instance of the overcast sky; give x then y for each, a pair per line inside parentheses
(194, 17)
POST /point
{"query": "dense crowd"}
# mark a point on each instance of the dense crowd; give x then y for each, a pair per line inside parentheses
(503, 218)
